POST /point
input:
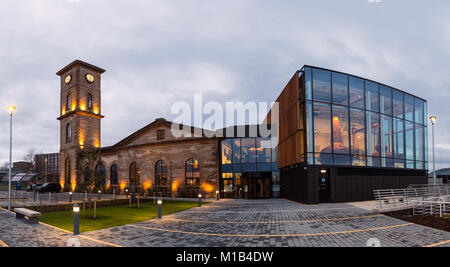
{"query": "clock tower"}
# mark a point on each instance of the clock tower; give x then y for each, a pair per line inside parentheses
(80, 116)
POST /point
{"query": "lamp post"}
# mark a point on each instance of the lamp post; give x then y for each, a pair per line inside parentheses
(433, 120)
(199, 200)
(76, 219)
(45, 170)
(217, 195)
(11, 111)
(159, 208)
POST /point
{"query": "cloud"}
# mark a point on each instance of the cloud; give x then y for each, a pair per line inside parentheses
(157, 52)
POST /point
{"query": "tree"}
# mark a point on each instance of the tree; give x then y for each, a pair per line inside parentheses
(30, 157)
(93, 180)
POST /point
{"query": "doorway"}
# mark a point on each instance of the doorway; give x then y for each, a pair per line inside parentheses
(324, 187)
(257, 185)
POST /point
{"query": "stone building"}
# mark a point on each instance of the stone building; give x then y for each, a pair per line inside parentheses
(151, 158)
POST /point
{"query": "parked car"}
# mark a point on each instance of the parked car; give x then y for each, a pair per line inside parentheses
(32, 187)
(49, 187)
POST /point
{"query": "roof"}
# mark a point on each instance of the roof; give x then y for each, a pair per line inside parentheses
(82, 63)
(441, 172)
(134, 135)
(21, 177)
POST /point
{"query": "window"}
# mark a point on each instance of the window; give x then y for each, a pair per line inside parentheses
(356, 88)
(192, 172)
(419, 143)
(340, 89)
(114, 176)
(322, 133)
(386, 141)
(89, 101)
(68, 133)
(386, 100)
(69, 102)
(357, 137)
(398, 138)
(419, 111)
(409, 107)
(226, 152)
(248, 150)
(134, 174)
(308, 83)
(397, 107)
(322, 85)
(67, 172)
(373, 138)
(161, 173)
(263, 150)
(340, 125)
(161, 134)
(236, 150)
(309, 131)
(409, 140)
(101, 172)
(372, 96)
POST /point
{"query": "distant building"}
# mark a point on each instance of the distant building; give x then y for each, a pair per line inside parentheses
(442, 176)
(47, 165)
(23, 166)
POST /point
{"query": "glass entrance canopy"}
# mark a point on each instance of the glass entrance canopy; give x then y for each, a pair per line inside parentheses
(352, 121)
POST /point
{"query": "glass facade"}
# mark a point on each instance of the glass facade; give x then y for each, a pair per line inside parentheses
(242, 156)
(351, 121)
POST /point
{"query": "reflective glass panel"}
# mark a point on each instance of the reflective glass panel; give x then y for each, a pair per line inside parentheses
(426, 144)
(356, 88)
(340, 89)
(409, 140)
(263, 151)
(386, 137)
(236, 150)
(322, 128)
(248, 146)
(340, 125)
(226, 151)
(398, 138)
(341, 160)
(372, 96)
(419, 111)
(419, 143)
(309, 128)
(409, 107)
(357, 132)
(397, 110)
(308, 83)
(373, 136)
(322, 85)
(386, 100)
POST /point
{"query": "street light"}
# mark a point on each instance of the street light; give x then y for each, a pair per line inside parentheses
(433, 120)
(11, 111)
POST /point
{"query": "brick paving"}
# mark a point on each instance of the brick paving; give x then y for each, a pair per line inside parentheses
(272, 223)
(242, 223)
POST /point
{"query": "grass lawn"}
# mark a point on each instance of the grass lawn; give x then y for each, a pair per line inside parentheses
(114, 216)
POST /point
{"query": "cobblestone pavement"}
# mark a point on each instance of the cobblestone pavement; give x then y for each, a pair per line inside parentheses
(16, 233)
(272, 223)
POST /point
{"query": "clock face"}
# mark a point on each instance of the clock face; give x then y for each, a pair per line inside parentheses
(68, 79)
(90, 78)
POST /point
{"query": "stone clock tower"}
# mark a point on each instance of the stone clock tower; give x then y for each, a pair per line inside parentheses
(80, 116)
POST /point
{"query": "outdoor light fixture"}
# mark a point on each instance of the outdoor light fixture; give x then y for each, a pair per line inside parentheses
(323, 171)
(217, 195)
(199, 200)
(76, 219)
(70, 197)
(433, 120)
(159, 208)
(11, 109)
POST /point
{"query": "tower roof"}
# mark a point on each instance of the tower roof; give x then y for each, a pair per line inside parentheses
(79, 62)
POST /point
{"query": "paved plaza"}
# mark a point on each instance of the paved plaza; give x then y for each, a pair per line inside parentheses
(243, 223)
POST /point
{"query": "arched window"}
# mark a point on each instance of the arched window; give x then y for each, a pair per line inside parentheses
(100, 170)
(192, 172)
(114, 176)
(89, 101)
(134, 174)
(68, 133)
(67, 172)
(69, 102)
(161, 174)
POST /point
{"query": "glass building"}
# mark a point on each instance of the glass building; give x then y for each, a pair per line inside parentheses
(351, 136)
(249, 167)
(358, 122)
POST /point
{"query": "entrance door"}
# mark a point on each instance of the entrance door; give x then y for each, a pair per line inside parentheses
(257, 186)
(324, 188)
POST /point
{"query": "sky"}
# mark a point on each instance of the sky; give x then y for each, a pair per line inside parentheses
(157, 52)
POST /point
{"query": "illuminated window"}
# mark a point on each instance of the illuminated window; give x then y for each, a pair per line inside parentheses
(161, 173)
(192, 172)
(226, 152)
(357, 137)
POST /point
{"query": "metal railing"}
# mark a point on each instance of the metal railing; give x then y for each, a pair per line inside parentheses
(438, 206)
(393, 198)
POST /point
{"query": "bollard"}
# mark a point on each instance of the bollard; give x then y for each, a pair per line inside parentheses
(99, 195)
(76, 219)
(217, 195)
(159, 208)
(95, 209)
(199, 200)
(70, 197)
